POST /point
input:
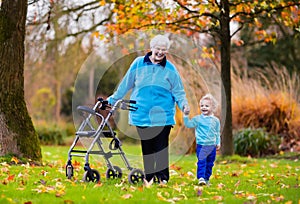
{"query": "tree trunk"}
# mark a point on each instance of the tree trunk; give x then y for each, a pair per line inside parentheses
(17, 134)
(58, 100)
(227, 138)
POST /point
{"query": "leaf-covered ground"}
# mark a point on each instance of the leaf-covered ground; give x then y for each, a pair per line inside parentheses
(234, 180)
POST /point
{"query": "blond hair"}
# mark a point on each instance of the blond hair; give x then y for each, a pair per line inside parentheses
(212, 99)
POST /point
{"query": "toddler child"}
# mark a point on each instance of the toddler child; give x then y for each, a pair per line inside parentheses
(207, 132)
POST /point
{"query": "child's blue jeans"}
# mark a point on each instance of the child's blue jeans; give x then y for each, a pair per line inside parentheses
(206, 157)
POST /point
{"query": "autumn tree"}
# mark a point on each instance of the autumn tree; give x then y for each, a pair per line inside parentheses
(17, 134)
(211, 17)
(61, 36)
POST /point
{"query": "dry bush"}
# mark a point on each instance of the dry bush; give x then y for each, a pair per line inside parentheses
(268, 99)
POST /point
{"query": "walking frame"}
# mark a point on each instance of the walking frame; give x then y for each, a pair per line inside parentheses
(97, 134)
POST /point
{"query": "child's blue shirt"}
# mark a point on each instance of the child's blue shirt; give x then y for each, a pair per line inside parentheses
(207, 129)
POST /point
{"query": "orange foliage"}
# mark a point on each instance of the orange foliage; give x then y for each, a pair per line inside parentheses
(175, 16)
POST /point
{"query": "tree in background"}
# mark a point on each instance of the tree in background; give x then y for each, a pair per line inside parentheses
(17, 134)
(285, 52)
(211, 17)
(54, 55)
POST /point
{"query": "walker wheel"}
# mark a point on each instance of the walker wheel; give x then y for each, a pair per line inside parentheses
(91, 176)
(69, 171)
(136, 176)
(111, 174)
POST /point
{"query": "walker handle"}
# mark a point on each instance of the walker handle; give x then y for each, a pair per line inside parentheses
(130, 101)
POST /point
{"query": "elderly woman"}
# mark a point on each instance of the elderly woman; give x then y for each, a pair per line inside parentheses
(156, 87)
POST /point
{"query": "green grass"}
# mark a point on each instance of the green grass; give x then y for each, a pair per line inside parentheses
(235, 180)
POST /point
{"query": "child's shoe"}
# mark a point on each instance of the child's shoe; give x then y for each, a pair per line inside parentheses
(201, 182)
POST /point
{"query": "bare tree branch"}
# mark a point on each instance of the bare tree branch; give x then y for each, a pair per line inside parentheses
(32, 2)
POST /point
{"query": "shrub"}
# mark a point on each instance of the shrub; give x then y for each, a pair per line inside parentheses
(50, 136)
(255, 142)
(268, 99)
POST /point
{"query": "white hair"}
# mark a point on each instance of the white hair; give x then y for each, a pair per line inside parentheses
(212, 99)
(160, 40)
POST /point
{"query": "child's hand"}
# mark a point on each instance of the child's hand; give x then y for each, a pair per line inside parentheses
(218, 147)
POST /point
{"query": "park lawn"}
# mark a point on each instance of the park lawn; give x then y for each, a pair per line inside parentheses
(235, 180)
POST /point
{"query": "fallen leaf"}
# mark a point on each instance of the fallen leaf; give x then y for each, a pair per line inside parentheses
(132, 188)
(190, 174)
(173, 172)
(198, 190)
(43, 182)
(160, 197)
(177, 188)
(5, 170)
(273, 165)
(148, 184)
(167, 194)
(220, 185)
(170, 201)
(44, 173)
(119, 184)
(234, 174)
(60, 193)
(76, 164)
(97, 185)
(251, 197)
(174, 167)
(68, 201)
(15, 159)
(237, 183)
(218, 198)
(11, 177)
(127, 196)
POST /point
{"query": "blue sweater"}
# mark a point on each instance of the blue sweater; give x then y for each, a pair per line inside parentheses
(156, 88)
(207, 129)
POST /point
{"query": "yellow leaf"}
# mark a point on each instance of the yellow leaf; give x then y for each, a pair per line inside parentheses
(15, 159)
(160, 197)
(177, 188)
(102, 3)
(95, 34)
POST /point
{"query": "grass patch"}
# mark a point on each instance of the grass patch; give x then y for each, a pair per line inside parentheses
(235, 180)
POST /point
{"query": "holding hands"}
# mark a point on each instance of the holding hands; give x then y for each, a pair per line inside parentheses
(186, 110)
